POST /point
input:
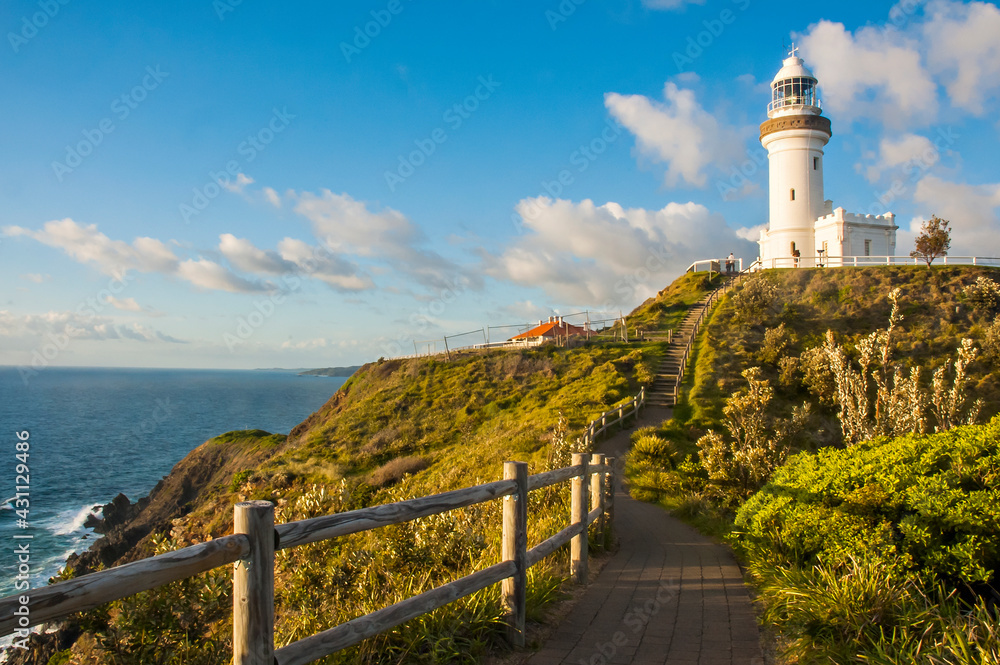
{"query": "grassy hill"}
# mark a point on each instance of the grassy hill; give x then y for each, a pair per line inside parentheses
(396, 429)
(880, 550)
(404, 428)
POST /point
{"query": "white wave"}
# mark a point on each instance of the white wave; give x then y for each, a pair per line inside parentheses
(70, 522)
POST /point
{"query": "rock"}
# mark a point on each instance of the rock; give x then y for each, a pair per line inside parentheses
(92, 522)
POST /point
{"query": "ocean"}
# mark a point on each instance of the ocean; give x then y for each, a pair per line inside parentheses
(93, 433)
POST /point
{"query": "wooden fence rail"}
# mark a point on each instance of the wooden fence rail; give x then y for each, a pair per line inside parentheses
(251, 548)
(632, 407)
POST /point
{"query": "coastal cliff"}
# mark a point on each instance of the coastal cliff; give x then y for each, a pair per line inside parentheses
(402, 428)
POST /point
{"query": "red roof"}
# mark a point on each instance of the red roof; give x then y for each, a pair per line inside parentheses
(552, 329)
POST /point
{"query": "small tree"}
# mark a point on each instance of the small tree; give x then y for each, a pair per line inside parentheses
(934, 240)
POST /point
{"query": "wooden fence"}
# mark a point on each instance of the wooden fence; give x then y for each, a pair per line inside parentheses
(255, 539)
(618, 413)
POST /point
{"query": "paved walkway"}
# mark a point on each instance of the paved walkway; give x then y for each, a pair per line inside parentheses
(669, 595)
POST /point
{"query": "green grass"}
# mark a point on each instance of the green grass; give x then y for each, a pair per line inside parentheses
(857, 608)
(396, 429)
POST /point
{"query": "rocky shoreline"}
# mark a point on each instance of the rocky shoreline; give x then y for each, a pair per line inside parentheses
(125, 525)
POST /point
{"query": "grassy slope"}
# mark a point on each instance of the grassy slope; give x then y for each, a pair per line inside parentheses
(852, 302)
(446, 424)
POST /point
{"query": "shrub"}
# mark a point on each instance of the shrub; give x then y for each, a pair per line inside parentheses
(861, 612)
(240, 478)
(878, 399)
(991, 341)
(393, 471)
(817, 376)
(924, 504)
(788, 370)
(757, 443)
(948, 402)
(648, 447)
(776, 340)
(983, 295)
(649, 465)
(754, 300)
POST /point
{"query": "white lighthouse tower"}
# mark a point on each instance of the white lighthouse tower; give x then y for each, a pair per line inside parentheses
(803, 228)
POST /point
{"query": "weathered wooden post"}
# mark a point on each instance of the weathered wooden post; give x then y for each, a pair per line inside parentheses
(515, 548)
(578, 517)
(253, 586)
(609, 500)
(597, 492)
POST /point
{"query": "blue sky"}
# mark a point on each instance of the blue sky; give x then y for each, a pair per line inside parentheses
(222, 184)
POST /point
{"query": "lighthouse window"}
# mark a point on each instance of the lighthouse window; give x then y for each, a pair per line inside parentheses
(868, 247)
(815, 163)
(793, 194)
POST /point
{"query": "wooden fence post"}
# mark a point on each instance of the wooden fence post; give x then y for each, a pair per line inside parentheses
(578, 517)
(253, 586)
(609, 500)
(515, 548)
(597, 492)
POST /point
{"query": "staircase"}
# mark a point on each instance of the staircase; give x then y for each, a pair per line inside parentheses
(666, 386)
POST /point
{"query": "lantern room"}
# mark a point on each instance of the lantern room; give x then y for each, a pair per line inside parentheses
(794, 89)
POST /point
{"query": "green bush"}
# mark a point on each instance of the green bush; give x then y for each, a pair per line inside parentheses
(926, 505)
(983, 294)
(649, 465)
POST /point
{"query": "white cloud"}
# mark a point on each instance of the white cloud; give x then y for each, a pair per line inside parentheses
(750, 233)
(585, 254)
(894, 74)
(238, 185)
(906, 148)
(913, 153)
(349, 226)
(36, 278)
(124, 304)
(318, 343)
(88, 245)
(670, 5)
(527, 311)
(963, 50)
(322, 264)
(295, 256)
(209, 275)
(75, 326)
(244, 255)
(678, 132)
(971, 209)
(272, 197)
(870, 74)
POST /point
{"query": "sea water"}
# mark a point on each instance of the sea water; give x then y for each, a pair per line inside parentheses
(93, 433)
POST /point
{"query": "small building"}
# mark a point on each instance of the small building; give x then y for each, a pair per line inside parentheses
(804, 229)
(554, 328)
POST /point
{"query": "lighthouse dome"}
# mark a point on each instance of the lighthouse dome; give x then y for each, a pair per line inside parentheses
(793, 67)
(794, 90)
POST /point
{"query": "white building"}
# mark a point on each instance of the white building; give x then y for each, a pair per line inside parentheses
(803, 228)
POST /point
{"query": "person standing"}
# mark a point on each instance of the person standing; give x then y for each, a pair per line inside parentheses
(730, 263)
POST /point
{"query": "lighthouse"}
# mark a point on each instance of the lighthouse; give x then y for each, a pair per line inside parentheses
(803, 229)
